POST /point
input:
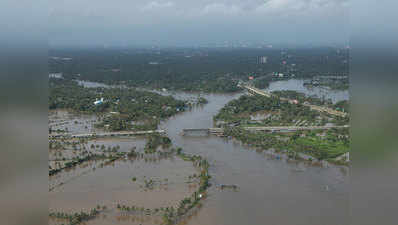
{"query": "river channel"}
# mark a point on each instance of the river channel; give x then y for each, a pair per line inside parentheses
(298, 85)
(270, 190)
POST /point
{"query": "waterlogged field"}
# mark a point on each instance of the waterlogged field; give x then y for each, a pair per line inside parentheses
(149, 182)
(116, 180)
(64, 121)
(128, 184)
(134, 187)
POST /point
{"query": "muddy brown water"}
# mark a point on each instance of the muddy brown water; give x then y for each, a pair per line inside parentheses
(72, 123)
(271, 190)
(112, 184)
(320, 92)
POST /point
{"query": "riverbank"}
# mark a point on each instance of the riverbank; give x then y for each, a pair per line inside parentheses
(313, 146)
(118, 109)
(175, 187)
(260, 177)
(261, 111)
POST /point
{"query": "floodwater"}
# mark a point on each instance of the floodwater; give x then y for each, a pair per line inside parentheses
(270, 190)
(320, 92)
(109, 184)
(105, 183)
(72, 123)
(112, 184)
(291, 84)
(91, 84)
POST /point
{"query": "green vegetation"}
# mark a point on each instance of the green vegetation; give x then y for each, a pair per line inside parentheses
(149, 183)
(170, 214)
(342, 106)
(80, 160)
(66, 94)
(198, 69)
(77, 218)
(202, 101)
(132, 153)
(261, 83)
(301, 98)
(279, 113)
(319, 144)
(131, 109)
(80, 147)
(156, 140)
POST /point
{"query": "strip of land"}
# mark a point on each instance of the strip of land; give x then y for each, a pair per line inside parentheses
(312, 107)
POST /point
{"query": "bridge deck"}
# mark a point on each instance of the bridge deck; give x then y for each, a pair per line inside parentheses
(107, 134)
(196, 129)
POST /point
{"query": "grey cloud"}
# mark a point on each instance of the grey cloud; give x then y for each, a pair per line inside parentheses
(155, 5)
(141, 20)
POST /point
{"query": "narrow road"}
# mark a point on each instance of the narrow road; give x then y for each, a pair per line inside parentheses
(272, 129)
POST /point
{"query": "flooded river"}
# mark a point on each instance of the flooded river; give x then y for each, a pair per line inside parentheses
(270, 190)
(320, 92)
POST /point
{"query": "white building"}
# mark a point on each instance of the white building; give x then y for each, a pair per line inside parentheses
(99, 102)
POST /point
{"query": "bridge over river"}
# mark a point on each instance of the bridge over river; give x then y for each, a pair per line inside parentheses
(254, 90)
(106, 134)
(216, 130)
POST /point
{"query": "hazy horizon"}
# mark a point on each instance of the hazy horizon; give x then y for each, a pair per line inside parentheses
(182, 23)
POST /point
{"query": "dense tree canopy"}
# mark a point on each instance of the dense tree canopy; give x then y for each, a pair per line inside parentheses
(239, 110)
(201, 69)
(127, 108)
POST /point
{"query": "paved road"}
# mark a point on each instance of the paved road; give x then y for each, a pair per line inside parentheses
(313, 107)
(107, 134)
(273, 129)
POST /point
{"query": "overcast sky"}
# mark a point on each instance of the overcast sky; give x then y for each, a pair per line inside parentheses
(198, 22)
